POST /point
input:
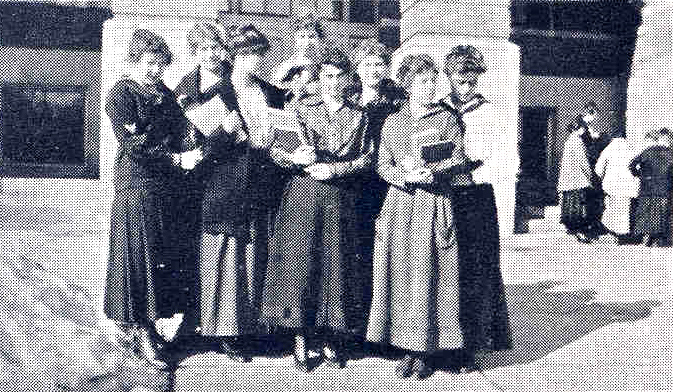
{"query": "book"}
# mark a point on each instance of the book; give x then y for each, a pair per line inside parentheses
(428, 146)
(288, 133)
(209, 116)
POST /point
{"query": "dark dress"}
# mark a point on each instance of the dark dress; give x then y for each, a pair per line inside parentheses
(149, 125)
(654, 167)
(582, 209)
(313, 280)
(241, 192)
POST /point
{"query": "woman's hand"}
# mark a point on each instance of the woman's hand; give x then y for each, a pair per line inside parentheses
(419, 176)
(319, 171)
(190, 159)
(304, 156)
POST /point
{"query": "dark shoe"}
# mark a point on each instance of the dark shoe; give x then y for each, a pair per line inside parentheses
(334, 358)
(405, 368)
(422, 369)
(582, 238)
(233, 354)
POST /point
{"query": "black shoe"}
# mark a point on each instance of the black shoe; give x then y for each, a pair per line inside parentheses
(334, 358)
(405, 368)
(422, 369)
(233, 354)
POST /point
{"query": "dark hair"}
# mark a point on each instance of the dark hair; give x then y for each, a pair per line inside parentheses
(145, 41)
(336, 58)
(464, 59)
(308, 21)
(665, 132)
(202, 32)
(370, 47)
(590, 108)
(297, 69)
(413, 65)
(247, 40)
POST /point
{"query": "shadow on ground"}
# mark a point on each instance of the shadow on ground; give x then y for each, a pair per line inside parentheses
(543, 321)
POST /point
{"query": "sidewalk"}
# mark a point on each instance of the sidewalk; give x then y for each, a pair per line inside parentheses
(584, 317)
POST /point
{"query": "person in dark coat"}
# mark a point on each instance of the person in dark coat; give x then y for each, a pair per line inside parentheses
(313, 278)
(149, 126)
(210, 79)
(379, 97)
(240, 195)
(654, 167)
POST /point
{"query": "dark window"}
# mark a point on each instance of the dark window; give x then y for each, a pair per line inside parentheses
(42, 124)
(535, 16)
(390, 36)
(389, 9)
(363, 11)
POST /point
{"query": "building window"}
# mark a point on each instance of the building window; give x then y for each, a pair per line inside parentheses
(363, 11)
(389, 9)
(265, 7)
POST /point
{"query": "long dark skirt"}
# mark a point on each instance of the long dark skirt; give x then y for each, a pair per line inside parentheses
(581, 210)
(653, 216)
(137, 243)
(484, 318)
(313, 278)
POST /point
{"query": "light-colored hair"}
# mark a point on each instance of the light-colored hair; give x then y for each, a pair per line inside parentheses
(413, 65)
(202, 32)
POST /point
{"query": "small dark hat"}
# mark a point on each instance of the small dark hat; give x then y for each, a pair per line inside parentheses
(247, 39)
(464, 58)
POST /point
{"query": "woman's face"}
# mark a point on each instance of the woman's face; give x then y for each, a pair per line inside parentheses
(372, 70)
(150, 68)
(464, 85)
(248, 64)
(306, 41)
(423, 87)
(209, 55)
(333, 81)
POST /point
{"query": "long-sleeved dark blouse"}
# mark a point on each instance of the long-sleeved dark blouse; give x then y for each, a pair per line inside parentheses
(149, 125)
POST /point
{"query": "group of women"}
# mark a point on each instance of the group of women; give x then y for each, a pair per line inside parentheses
(346, 236)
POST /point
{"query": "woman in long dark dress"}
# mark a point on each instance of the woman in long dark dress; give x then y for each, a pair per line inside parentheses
(426, 298)
(313, 279)
(239, 197)
(654, 167)
(149, 126)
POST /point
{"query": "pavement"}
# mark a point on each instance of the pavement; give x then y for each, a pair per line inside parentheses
(584, 318)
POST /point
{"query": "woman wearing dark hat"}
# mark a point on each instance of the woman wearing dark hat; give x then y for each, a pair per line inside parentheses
(379, 97)
(239, 196)
(309, 42)
(149, 126)
(313, 284)
(224, 159)
(422, 299)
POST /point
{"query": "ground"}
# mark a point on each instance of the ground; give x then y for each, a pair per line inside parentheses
(585, 317)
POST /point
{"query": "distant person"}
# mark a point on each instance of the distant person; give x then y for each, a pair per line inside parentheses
(580, 187)
(654, 167)
(619, 185)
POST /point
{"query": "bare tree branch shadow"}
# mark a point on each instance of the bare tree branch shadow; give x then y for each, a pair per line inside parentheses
(543, 321)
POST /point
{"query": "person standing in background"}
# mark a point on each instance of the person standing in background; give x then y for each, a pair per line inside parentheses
(619, 185)
(485, 139)
(580, 187)
(654, 167)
